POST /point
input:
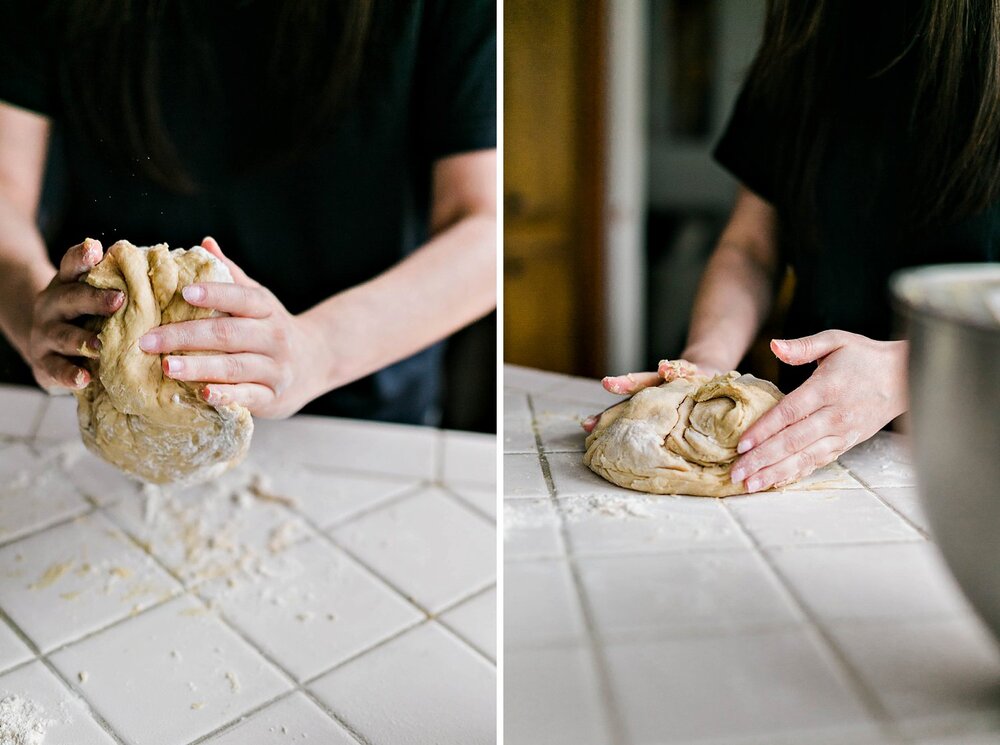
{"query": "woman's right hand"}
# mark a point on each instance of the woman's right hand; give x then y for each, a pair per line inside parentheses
(55, 340)
(632, 383)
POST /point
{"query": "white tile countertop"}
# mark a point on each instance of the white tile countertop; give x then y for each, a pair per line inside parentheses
(817, 614)
(337, 587)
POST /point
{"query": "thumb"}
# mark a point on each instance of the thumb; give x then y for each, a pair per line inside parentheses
(239, 276)
(806, 349)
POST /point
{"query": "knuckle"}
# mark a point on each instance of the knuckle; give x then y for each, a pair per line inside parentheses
(806, 462)
(280, 337)
(283, 382)
(790, 412)
(794, 441)
(225, 330)
(235, 366)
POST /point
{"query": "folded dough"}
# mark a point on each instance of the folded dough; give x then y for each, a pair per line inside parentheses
(133, 416)
(679, 437)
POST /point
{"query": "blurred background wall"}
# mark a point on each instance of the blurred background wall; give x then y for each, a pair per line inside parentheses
(612, 201)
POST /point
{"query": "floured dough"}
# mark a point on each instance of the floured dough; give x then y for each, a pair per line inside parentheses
(679, 437)
(131, 414)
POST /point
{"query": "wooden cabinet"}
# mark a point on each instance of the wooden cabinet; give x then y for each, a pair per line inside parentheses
(552, 184)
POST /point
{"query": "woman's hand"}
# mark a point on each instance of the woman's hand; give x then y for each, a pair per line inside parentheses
(54, 338)
(858, 387)
(267, 357)
(632, 383)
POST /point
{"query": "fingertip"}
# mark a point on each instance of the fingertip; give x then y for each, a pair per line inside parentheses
(149, 342)
(744, 445)
(93, 251)
(193, 293)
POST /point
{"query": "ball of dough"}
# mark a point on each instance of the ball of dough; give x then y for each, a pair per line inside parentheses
(679, 437)
(131, 414)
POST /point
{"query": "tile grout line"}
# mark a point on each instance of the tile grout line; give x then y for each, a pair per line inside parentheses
(220, 616)
(39, 416)
(439, 448)
(88, 510)
(183, 589)
(451, 492)
(95, 714)
(428, 614)
(868, 698)
(608, 703)
(889, 505)
(456, 632)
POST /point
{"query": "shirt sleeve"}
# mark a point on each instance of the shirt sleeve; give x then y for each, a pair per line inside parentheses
(27, 67)
(746, 148)
(457, 94)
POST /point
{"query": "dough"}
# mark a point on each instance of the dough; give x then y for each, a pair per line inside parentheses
(131, 414)
(679, 437)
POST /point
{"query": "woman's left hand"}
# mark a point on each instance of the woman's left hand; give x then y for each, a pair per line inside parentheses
(858, 387)
(267, 357)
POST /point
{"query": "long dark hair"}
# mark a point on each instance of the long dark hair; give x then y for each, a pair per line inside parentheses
(113, 57)
(951, 52)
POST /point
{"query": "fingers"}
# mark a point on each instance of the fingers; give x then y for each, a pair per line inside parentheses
(225, 368)
(590, 422)
(226, 334)
(626, 385)
(239, 276)
(77, 299)
(798, 465)
(65, 338)
(80, 259)
(54, 370)
(794, 407)
(237, 300)
(808, 348)
(674, 369)
(252, 395)
(786, 443)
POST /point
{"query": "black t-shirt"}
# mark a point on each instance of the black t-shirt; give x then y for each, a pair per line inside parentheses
(861, 232)
(343, 214)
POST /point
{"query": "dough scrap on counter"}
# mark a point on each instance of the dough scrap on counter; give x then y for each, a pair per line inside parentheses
(679, 437)
(131, 414)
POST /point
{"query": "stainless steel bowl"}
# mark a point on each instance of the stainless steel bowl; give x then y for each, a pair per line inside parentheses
(952, 317)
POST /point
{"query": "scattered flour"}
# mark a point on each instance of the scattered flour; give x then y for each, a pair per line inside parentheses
(617, 507)
(22, 722)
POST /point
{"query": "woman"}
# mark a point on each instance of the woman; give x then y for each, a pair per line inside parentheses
(342, 154)
(866, 139)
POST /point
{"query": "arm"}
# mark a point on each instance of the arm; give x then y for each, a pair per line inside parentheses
(38, 303)
(277, 362)
(445, 285)
(733, 300)
(737, 288)
(24, 263)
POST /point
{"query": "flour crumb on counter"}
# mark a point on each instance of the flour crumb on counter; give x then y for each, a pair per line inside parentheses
(22, 721)
(234, 682)
(197, 705)
(83, 676)
(52, 575)
(282, 536)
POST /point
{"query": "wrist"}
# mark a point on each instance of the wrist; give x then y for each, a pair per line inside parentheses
(708, 356)
(19, 287)
(330, 367)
